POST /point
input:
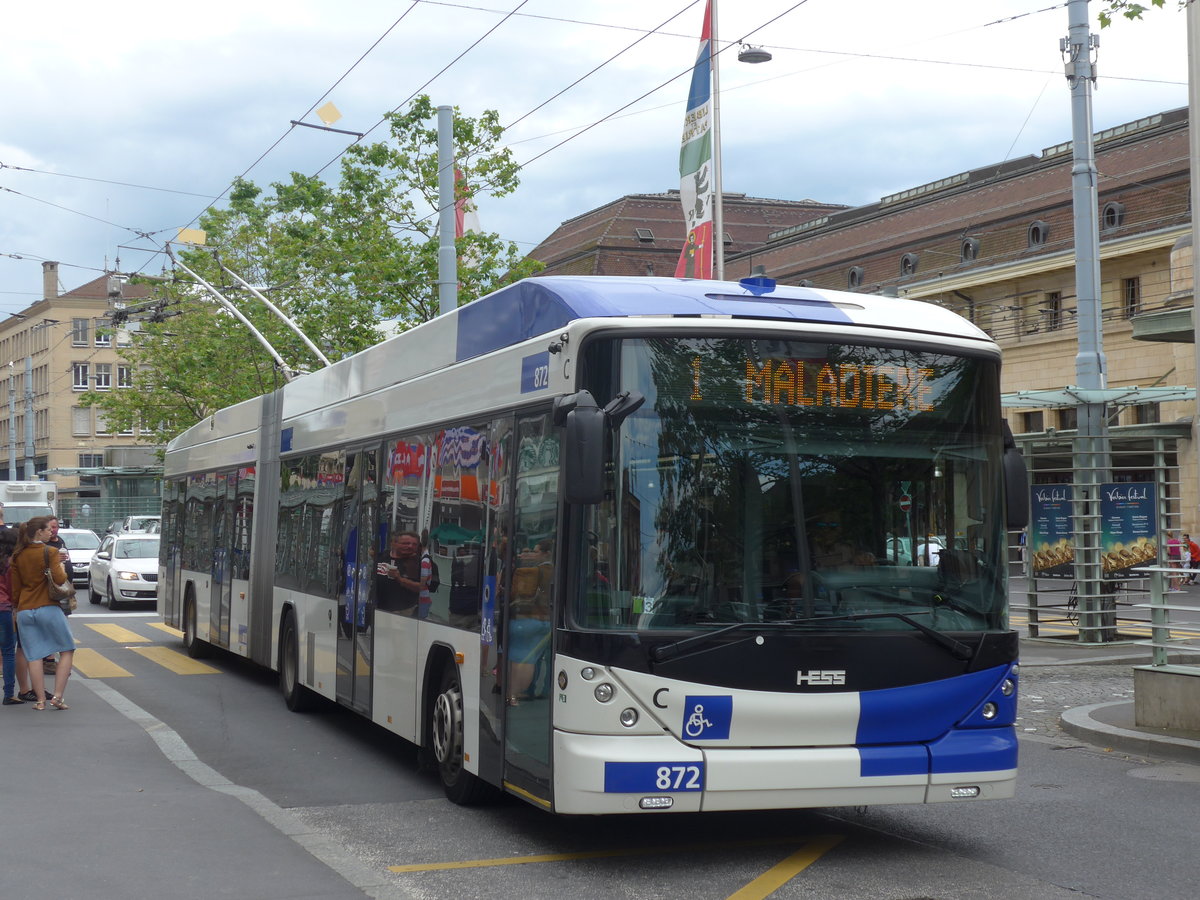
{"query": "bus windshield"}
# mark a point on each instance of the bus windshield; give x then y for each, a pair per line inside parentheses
(796, 484)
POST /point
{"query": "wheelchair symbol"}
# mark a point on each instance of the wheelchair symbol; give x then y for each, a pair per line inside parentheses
(696, 722)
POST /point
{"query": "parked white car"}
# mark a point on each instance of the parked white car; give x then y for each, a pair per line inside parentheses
(125, 569)
(81, 543)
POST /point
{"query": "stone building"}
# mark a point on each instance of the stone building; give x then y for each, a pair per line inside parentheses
(996, 245)
(66, 345)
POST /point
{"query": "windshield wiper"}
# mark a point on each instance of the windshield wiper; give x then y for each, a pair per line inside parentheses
(956, 648)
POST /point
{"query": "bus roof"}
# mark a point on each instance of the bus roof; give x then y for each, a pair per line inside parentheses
(537, 306)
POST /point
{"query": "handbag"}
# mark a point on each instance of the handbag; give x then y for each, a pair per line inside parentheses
(62, 594)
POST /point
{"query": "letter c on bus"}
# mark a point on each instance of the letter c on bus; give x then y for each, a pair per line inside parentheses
(656, 695)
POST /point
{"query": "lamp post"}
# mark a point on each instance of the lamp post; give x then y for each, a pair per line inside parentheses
(753, 55)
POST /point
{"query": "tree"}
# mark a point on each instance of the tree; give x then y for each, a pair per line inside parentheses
(1129, 9)
(337, 258)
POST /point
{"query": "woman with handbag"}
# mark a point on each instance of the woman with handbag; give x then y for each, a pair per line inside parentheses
(37, 575)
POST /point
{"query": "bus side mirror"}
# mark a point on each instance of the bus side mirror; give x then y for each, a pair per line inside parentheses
(586, 428)
(1016, 483)
(583, 454)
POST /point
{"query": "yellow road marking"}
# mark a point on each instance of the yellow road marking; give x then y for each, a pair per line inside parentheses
(93, 665)
(777, 876)
(163, 626)
(814, 849)
(119, 634)
(175, 661)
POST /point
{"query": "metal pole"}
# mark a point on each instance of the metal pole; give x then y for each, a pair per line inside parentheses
(1091, 456)
(280, 314)
(29, 467)
(1193, 31)
(12, 422)
(447, 255)
(718, 203)
(288, 373)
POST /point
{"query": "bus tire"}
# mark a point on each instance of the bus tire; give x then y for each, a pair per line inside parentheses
(446, 741)
(297, 697)
(192, 645)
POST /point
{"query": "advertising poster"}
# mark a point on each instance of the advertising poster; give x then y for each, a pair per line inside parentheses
(1128, 538)
(1051, 533)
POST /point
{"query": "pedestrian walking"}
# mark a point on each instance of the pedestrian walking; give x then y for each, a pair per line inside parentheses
(1193, 552)
(8, 621)
(43, 626)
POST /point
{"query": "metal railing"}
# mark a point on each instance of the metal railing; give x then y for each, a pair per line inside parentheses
(97, 513)
(1161, 643)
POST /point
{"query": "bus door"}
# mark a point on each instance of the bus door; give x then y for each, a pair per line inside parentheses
(222, 573)
(356, 630)
(169, 600)
(527, 607)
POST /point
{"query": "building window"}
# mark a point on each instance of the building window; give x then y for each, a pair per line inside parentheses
(79, 376)
(1052, 310)
(81, 421)
(126, 431)
(854, 277)
(124, 376)
(103, 337)
(969, 251)
(1131, 296)
(1068, 419)
(1146, 414)
(101, 422)
(79, 332)
(90, 461)
(1039, 233)
(1032, 421)
(908, 264)
(103, 376)
(644, 235)
(1112, 216)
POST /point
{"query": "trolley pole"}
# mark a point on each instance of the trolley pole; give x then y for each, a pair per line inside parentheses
(1091, 454)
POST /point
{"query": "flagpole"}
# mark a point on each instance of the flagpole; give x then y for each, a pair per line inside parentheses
(718, 217)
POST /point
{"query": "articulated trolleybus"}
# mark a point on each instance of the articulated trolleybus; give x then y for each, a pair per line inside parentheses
(622, 544)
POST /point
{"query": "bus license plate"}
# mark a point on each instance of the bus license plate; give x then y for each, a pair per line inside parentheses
(653, 777)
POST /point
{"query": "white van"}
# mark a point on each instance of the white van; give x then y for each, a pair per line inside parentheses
(22, 500)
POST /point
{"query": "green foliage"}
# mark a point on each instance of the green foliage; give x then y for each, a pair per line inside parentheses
(337, 258)
(1129, 10)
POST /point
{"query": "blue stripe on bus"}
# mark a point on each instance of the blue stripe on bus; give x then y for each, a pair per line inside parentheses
(540, 305)
(965, 750)
(923, 712)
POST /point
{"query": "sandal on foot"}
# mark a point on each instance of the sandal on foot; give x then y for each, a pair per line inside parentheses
(41, 704)
(57, 703)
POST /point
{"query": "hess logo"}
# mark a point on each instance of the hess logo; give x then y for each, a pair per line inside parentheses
(821, 676)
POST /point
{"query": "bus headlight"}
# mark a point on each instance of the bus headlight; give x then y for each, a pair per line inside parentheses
(989, 710)
(604, 692)
(587, 673)
(1008, 687)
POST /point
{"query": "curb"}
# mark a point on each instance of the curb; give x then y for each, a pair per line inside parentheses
(1079, 723)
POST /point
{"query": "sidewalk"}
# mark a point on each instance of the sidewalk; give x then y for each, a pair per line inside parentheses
(1110, 723)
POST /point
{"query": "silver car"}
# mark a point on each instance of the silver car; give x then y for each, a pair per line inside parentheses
(81, 543)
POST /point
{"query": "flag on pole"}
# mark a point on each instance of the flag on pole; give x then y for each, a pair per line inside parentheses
(695, 165)
(465, 217)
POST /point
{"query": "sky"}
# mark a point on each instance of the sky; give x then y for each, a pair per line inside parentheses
(122, 122)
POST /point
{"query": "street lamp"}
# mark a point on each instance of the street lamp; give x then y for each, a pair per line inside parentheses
(747, 54)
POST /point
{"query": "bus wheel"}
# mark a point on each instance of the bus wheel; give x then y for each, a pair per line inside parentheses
(295, 695)
(446, 738)
(192, 645)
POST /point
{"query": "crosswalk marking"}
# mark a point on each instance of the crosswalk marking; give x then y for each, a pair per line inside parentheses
(93, 665)
(175, 661)
(163, 626)
(119, 634)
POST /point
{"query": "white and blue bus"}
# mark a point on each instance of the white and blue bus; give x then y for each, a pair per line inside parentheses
(680, 535)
